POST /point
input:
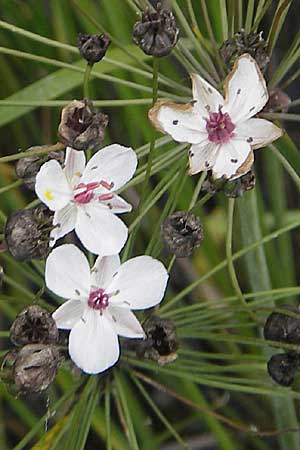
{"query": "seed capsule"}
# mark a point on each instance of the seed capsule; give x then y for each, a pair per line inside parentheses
(252, 43)
(81, 126)
(282, 327)
(182, 232)
(27, 168)
(27, 233)
(92, 47)
(156, 33)
(282, 368)
(161, 341)
(34, 325)
(35, 367)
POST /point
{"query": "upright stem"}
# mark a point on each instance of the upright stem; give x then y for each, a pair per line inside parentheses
(231, 269)
(86, 79)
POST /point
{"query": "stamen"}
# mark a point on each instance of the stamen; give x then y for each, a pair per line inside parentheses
(219, 127)
(98, 300)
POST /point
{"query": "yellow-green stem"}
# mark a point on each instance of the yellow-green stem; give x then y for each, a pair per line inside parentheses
(86, 79)
(43, 151)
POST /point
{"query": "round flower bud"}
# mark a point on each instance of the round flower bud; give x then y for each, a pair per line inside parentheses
(252, 43)
(281, 327)
(81, 126)
(182, 232)
(27, 233)
(282, 368)
(92, 47)
(161, 341)
(27, 168)
(156, 33)
(35, 367)
(34, 325)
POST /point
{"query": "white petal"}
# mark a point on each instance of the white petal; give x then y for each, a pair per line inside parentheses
(202, 157)
(93, 343)
(65, 219)
(52, 187)
(104, 269)
(118, 205)
(114, 164)
(140, 283)
(179, 121)
(74, 165)
(99, 230)
(68, 314)
(125, 323)
(230, 158)
(258, 132)
(246, 90)
(206, 97)
(67, 272)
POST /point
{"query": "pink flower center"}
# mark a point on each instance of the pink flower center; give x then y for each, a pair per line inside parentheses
(219, 127)
(86, 191)
(98, 300)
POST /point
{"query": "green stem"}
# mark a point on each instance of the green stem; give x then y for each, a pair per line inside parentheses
(10, 186)
(43, 151)
(230, 265)
(86, 79)
(197, 190)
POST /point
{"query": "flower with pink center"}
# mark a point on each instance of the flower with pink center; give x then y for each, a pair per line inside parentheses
(83, 196)
(100, 301)
(222, 131)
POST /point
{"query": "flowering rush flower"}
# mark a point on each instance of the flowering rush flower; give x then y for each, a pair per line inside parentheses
(100, 301)
(83, 196)
(222, 131)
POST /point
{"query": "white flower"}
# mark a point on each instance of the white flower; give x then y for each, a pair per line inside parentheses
(82, 196)
(221, 131)
(100, 301)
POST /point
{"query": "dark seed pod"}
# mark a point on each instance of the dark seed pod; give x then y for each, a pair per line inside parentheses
(156, 33)
(182, 232)
(27, 233)
(81, 126)
(278, 101)
(281, 327)
(161, 342)
(92, 47)
(235, 188)
(282, 368)
(35, 367)
(34, 325)
(27, 168)
(252, 43)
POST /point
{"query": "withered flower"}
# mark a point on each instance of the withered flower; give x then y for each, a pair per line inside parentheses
(182, 232)
(35, 367)
(34, 325)
(242, 42)
(161, 341)
(156, 33)
(81, 126)
(27, 168)
(282, 327)
(282, 367)
(27, 233)
(92, 47)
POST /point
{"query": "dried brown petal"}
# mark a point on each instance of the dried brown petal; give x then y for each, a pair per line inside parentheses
(282, 368)
(182, 232)
(283, 327)
(27, 168)
(161, 341)
(27, 233)
(156, 33)
(81, 126)
(242, 42)
(34, 325)
(92, 47)
(36, 367)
